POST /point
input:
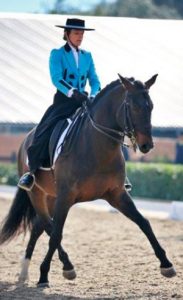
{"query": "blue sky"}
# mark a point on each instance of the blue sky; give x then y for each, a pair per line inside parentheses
(40, 5)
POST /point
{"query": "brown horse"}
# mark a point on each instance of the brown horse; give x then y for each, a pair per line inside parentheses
(94, 168)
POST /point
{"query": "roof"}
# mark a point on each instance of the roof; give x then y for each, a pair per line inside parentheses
(130, 46)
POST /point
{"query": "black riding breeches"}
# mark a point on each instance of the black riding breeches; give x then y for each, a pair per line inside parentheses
(38, 152)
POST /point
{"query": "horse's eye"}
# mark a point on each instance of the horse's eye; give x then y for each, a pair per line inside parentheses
(136, 107)
(149, 104)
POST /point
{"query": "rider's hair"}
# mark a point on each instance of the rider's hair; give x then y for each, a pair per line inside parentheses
(66, 31)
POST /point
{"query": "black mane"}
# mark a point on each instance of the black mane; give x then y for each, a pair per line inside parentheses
(107, 88)
(115, 83)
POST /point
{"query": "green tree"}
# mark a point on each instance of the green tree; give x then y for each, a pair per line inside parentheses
(154, 9)
(176, 4)
(135, 8)
(61, 7)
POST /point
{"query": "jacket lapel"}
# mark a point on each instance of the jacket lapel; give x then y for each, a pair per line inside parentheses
(69, 56)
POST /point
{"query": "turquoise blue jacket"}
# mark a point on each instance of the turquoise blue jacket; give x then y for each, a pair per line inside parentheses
(66, 75)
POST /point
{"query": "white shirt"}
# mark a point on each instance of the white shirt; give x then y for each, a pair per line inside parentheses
(76, 54)
(76, 57)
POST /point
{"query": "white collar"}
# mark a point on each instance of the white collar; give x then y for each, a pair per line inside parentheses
(73, 48)
(76, 54)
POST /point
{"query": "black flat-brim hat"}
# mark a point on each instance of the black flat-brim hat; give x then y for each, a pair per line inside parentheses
(75, 24)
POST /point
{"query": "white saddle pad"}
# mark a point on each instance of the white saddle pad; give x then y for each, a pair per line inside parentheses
(60, 142)
(58, 147)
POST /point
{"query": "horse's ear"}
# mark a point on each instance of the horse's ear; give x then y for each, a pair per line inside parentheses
(127, 83)
(151, 81)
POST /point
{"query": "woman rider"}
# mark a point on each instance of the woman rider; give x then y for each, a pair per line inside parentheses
(70, 68)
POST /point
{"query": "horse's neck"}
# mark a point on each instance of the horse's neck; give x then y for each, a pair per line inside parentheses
(105, 149)
(105, 110)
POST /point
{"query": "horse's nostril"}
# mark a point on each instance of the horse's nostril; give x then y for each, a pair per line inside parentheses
(145, 148)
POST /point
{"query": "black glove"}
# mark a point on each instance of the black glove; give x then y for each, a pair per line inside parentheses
(79, 97)
(90, 101)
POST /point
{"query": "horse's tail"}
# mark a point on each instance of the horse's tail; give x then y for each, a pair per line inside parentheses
(19, 218)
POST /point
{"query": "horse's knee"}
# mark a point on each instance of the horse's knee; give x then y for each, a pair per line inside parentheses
(55, 240)
(144, 223)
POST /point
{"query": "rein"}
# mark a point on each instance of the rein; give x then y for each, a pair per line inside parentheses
(109, 132)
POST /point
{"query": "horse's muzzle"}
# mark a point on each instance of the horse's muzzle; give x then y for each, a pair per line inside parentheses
(145, 148)
(144, 142)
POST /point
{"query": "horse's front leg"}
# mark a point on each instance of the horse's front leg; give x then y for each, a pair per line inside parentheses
(37, 229)
(61, 210)
(123, 202)
(68, 268)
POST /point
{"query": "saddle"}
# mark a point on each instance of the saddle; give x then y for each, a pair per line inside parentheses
(64, 135)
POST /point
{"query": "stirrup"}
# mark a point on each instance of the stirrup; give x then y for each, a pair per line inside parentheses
(26, 186)
(128, 187)
(127, 184)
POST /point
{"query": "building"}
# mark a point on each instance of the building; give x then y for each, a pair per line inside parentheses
(130, 46)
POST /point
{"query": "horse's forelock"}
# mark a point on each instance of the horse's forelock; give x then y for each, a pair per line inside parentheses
(132, 79)
(139, 84)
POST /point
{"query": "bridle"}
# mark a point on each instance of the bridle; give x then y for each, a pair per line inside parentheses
(128, 127)
(118, 135)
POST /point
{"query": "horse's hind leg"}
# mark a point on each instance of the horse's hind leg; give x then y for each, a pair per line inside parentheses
(124, 203)
(61, 211)
(36, 231)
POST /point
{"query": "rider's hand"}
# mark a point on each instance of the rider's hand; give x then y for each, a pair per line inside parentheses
(79, 97)
(90, 101)
(91, 98)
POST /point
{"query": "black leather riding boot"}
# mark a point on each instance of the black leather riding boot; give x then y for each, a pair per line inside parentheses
(26, 182)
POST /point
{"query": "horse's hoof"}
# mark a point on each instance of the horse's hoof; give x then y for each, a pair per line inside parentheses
(168, 272)
(69, 274)
(22, 279)
(43, 285)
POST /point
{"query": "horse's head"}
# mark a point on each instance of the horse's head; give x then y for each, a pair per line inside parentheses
(137, 108)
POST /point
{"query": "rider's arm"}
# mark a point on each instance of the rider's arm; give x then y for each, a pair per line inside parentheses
(57, 73)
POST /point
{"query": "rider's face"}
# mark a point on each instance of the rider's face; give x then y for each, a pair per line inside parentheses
(76, 37)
